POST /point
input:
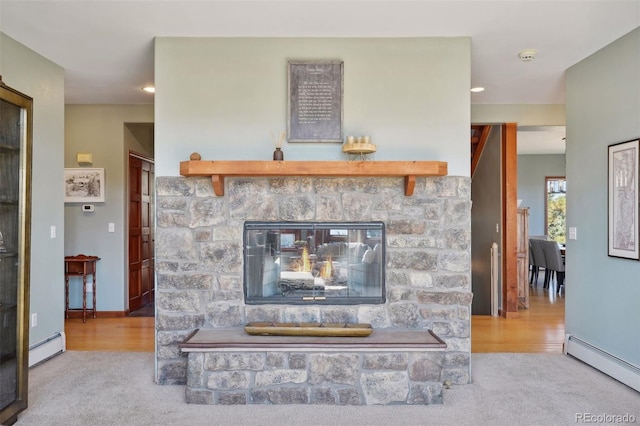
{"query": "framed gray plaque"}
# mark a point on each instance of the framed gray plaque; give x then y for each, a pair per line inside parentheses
(314, 110)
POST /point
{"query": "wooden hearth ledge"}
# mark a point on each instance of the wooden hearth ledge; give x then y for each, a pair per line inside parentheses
(407, 169)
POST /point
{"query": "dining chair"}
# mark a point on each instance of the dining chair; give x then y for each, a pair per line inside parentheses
(554, 261)
(538, 255)
(533, 269)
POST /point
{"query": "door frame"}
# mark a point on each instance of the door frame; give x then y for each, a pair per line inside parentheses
(508, 174)
(509, 184)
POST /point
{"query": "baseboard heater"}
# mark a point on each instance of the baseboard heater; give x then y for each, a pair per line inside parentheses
(609, 364)
(47, 348)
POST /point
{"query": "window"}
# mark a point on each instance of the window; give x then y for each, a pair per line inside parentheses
(556, 208)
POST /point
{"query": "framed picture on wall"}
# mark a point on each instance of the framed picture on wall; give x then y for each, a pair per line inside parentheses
(315, 110)
(84, 185)
(624, 234)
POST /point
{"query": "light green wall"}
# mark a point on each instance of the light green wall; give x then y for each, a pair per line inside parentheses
(138, 138)
(102, 131)
(222, 97)
(30, 73)
(603, 107)
(532, 171)
(523, 115)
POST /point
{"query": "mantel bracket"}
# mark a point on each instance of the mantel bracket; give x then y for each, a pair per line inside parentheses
(409, 184)
(217, 181)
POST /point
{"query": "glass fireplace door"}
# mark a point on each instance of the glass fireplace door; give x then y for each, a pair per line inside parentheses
(314, 262)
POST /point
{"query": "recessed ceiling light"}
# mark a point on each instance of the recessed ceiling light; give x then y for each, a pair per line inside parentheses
(477, 89)
(149, 89)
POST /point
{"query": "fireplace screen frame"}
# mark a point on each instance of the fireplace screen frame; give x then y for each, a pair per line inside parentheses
(358, 247)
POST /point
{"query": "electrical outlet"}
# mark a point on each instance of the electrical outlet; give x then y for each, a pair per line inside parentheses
(53, 232)
(573, 233)
(34, 320)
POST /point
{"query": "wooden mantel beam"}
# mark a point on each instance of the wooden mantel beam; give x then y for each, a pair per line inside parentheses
(218, 170)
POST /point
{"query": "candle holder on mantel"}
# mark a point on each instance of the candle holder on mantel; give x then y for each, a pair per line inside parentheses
(359, 148)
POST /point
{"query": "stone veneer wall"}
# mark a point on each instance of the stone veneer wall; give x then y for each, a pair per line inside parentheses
(367, 377)
(199, 257)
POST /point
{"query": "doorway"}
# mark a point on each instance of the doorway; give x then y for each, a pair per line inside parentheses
(141, 232)
(493, 220)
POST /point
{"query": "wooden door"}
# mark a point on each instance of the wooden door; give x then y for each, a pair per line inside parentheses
(141, 236)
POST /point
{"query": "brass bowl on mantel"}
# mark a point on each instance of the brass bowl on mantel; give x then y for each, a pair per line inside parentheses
(308, 329)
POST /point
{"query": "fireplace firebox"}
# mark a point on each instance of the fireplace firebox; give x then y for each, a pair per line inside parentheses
(337, 263)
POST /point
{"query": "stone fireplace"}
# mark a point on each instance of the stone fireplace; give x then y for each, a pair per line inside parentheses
(200, 269)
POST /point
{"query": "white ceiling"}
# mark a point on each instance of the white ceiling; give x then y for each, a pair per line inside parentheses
(106, 46)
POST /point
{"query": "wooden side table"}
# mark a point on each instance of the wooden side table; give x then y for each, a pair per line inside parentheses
(80, 266)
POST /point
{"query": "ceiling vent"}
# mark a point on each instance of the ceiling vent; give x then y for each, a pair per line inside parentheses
(527, 55)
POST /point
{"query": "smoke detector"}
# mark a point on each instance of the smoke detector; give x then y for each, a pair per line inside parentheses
(527, 55)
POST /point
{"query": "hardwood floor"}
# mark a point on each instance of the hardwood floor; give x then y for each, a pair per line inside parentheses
(539, 329)
(126, 334)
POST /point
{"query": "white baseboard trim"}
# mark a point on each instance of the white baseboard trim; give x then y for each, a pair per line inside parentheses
(609, 364)
(47, 348)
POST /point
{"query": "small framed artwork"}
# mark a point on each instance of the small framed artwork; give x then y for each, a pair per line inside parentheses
(315, 109)
(84, 185)
(624, 167)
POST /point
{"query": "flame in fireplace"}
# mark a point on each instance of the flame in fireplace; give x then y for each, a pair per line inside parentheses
(304, 263)
(327, 269)
(323, 271)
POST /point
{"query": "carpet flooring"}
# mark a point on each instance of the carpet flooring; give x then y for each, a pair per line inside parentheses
(102, 388)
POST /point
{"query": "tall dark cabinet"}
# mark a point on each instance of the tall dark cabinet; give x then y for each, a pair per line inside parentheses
(15, 218)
